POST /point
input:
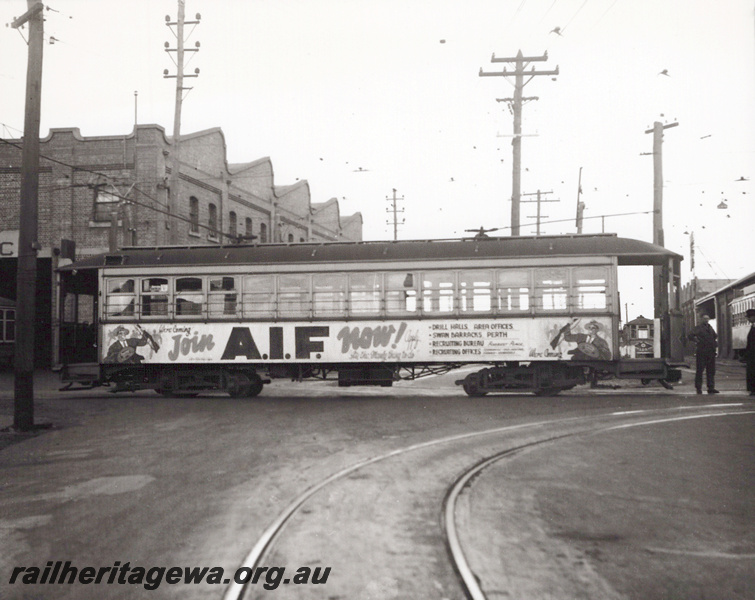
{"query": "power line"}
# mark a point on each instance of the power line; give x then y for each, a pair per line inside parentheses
(643, 212)
(707, 260)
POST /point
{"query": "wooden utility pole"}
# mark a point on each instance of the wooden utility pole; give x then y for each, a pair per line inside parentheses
(516, 104)
(175, 162)
(539, 201)
(660, 292)
(28, 245)
(395, 210)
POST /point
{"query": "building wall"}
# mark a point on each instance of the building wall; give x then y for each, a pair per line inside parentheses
(136, 169)
(131, 176)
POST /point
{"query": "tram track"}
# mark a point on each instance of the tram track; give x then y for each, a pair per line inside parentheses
(495, 445)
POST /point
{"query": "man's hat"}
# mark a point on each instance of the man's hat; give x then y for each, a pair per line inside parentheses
(750, 312)
(120, 329)
(594, 324)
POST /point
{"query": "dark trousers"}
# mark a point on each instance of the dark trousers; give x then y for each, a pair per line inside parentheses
(751, 375)
(705, 361)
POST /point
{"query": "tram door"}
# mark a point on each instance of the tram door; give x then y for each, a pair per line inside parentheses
(78, 317)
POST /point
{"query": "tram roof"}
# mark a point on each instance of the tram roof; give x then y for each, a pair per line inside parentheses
(628, 252)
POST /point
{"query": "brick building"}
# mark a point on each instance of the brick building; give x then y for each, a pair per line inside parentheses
(103, 192)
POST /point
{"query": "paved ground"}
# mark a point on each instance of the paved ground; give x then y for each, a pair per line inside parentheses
(107, 454)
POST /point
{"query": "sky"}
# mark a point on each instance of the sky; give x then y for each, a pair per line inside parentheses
(361, 97)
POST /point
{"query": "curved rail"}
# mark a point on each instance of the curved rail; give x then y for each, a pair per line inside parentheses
(461, 564)
(236, 591)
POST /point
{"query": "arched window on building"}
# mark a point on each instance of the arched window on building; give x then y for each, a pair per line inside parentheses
(193, 215)
(212, 220)
(290, 238)
(248, 228)
(232, 228)
(263, 233)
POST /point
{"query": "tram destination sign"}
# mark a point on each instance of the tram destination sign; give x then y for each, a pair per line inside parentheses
(448, 340)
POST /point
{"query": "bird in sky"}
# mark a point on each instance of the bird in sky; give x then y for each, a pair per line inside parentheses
(742, 178)
(556, 30)
(664, 72)
(360, 170)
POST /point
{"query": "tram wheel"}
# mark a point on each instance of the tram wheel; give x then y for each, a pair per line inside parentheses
(254, 387)
(238, 385)
(548, 391)
(472, 389)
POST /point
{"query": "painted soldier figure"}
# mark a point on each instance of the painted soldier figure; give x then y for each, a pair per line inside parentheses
(123, 349)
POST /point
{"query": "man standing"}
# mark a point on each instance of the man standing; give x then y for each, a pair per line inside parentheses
(750, 352)
(707, 344)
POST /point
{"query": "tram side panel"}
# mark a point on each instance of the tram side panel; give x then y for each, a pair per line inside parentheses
(332, 342)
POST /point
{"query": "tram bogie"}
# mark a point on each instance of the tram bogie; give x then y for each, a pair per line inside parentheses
(186, 380)
(536, 314)
(541, 379)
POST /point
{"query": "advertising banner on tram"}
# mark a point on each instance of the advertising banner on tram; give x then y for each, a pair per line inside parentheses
(432, 340)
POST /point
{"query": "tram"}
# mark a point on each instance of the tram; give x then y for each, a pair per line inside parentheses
(740, 326)
(536, 314)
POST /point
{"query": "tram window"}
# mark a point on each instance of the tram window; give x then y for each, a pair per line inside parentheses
(329, 294)
(400, 293)
(364, 293)
(293, 295)
(590, 285)
(189, 296)
(154, 297)
(222, 297)
(121, 297)
(475, 290)
(438, 291)
(551, 289)
(9, 325)
(513, 290)
(259, 296)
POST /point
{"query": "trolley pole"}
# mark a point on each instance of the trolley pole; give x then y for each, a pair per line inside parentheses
(580, 204)
(516, 106)
(28, 245)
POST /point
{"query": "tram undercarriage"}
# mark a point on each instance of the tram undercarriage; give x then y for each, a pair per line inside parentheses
(540, 378)
(548, 379)
(183, 381)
